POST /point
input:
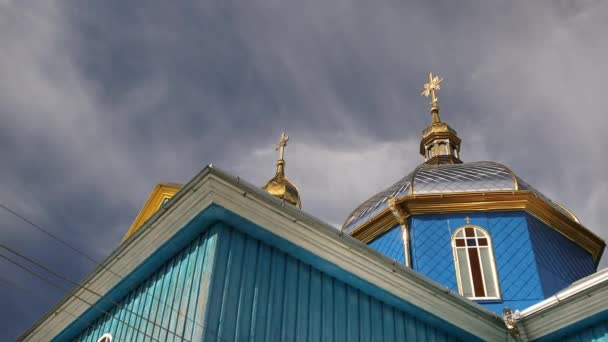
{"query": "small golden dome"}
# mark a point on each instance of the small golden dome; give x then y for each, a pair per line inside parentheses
(282, 188)
(440, 144)
(279, 185)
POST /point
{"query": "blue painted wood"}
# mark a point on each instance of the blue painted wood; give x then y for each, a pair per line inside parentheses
(191, 231)
(390, 244)
(164, 306)
(297, 302)
(533, 260)
(518, 276)
(265, 321)
(594, 328)
(560, 261)
(249, 228)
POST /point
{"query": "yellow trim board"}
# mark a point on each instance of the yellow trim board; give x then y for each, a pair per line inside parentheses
(480, 201)
(161, 192)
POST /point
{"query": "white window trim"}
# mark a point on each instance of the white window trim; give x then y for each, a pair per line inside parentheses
(492, 263)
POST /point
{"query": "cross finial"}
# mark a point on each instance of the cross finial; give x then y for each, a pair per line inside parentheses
(468, 220)
(281, 146)
(431, 87)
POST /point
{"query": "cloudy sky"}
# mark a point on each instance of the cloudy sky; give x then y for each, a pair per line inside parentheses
(100, 100)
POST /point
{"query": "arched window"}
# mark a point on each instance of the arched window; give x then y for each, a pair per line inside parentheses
(475, 266)
(105, 338)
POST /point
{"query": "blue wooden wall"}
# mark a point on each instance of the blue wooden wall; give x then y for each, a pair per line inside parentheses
(432, 256)
(560, 261)
(597, 332)
(594, 328)
(214, 282)
(169, 305)
(534, 261)
(518, 276)
(390, 244)
(259, 293)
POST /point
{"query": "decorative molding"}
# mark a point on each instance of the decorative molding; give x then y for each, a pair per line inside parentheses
(482, 201)
(401, 218)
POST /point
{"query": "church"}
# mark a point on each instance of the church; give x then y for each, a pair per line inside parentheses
(455, 250)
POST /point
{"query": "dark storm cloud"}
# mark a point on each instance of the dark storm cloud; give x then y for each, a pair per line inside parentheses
(100, 100)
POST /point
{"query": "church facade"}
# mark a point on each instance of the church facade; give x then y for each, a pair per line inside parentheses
(452, 251)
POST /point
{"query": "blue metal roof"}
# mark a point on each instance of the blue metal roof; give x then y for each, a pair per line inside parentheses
(482, 176)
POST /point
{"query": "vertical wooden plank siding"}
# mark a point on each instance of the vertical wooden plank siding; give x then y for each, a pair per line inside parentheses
(597, 332)
(259, 293)
(167, 305)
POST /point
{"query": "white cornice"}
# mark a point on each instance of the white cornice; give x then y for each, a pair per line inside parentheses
(583, 299)
(212, 186)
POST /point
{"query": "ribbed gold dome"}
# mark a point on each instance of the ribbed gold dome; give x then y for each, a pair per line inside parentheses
(279, 185)
(282, 188)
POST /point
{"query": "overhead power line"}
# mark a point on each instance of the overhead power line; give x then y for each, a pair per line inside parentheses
(63, 289)
(8, 284)
(102, 266)
(49, 234)
(82, 287)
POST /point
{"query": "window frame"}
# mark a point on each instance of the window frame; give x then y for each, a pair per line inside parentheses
(493, 271)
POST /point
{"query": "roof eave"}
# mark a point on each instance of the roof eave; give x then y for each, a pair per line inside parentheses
(212, 186)
(583, 299)
(462, 202)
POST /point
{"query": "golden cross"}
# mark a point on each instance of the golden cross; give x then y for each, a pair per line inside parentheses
(431, 87)
(281, 146)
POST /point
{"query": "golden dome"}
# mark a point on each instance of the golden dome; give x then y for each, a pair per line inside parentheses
(282, 188)
(279, 185)
(440, 144)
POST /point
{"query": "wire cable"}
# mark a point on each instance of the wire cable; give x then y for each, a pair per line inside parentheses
(94, 261)
(49, 234)
(82, 287)
(7, 284)
(63, 289)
